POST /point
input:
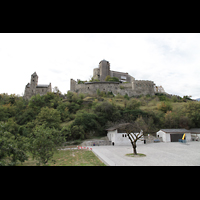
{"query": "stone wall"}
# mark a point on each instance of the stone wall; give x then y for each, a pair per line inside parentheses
(29, 91)
(135, 88)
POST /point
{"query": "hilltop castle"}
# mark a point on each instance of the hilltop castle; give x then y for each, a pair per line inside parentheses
(131, 87)
(33, 88)
(126, 85)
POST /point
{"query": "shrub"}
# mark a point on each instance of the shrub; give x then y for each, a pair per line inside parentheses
(164, 106)
(133, 104)
(112, 79)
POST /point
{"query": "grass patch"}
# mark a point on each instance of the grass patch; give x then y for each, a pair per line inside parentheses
(133, 155)
(73, 157)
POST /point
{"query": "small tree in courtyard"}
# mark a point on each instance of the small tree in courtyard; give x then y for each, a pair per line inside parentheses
(133, 133)
(134, 130)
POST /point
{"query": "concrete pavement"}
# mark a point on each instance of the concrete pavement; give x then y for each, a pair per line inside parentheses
(157, 154)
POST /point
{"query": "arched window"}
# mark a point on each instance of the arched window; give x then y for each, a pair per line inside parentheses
(122, 135)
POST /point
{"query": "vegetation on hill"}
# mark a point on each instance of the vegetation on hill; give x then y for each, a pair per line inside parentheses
(38, 126)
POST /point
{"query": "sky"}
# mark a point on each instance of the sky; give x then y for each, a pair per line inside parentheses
(171, 60)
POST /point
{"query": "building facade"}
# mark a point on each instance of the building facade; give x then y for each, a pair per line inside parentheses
(173, 135)
(118, 137)
(33, 88)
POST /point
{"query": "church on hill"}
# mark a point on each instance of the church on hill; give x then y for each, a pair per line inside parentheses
(33, 88)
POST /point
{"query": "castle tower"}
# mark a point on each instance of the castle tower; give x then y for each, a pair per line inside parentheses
(34, 82)
(104, 69)
(96, 74)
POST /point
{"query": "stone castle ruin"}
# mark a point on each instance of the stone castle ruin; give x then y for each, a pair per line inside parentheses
(127, 85)
(33, 88)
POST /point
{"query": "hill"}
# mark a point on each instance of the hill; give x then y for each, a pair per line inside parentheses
(53, 119)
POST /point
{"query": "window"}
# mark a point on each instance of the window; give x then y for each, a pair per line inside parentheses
(125, 135)
(122, 135)
(123, 77)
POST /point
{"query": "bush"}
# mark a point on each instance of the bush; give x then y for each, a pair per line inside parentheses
(112, 79)
(133, 104)
(164, 106)
(126, 97)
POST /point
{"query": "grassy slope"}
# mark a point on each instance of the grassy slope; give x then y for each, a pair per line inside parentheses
(72, 157)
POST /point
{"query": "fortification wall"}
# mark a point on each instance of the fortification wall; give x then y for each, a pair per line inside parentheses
(144, 87)
(140, 87)
(91, 88)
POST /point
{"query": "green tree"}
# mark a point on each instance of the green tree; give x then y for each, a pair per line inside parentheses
(25, 116)
(88, 121)
(171, 120)
(73, 132)
(44, 142)
(3, 113)
(107, 112)
(13, 147)
(36, 102)
(64, 111)
(192, 111)
(50, 117)
(69, 95)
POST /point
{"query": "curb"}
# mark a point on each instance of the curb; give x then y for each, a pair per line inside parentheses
(101, 158)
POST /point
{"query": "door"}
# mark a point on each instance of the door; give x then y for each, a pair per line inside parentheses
(176, 137)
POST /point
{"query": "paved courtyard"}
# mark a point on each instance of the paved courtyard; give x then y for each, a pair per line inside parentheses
(157, 154)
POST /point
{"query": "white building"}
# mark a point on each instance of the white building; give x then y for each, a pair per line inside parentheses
(195, 133)
(173, 135)
(120, 138)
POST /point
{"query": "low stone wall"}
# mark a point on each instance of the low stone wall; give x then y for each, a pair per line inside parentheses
(96, 142)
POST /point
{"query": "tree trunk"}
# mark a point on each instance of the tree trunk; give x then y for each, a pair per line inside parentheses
(134, 148)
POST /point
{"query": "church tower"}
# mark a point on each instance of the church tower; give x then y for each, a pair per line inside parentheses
(34, 82)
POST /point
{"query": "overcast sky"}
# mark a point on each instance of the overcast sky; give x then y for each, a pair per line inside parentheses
(170, 60)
